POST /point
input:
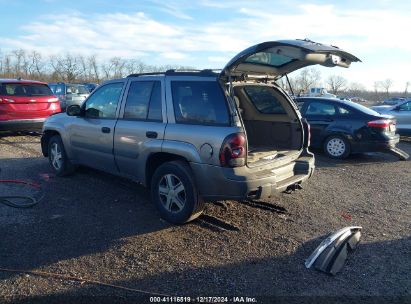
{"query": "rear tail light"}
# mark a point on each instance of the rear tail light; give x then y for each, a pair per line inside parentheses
(233, 150)
(54, 99)
(381, 123)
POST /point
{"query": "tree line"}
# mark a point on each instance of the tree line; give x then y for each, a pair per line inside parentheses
(71, 67)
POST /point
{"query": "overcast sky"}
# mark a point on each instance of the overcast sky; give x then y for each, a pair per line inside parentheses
(207, 33)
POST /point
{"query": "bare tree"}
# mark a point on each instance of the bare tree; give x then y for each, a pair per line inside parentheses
(94, 69)
(407, 84)
(20, 63)
(356, 88)
(67, 67)
(377, 86)
(386, 85)
(308, 77)
(35, 64)
(7, 66)
(336, 83)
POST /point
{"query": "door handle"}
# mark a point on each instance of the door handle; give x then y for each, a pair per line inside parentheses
(151, 134)
(105, 129)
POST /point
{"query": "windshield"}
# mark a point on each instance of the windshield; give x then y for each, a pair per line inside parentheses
(30, 89)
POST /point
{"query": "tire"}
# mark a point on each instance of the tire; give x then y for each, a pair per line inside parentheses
(337, 147)
(58, 160)
(174, 192)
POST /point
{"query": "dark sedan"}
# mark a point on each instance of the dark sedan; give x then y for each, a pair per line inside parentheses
(344, 127)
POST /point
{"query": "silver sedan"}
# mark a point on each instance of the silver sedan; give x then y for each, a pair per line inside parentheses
(402, 113)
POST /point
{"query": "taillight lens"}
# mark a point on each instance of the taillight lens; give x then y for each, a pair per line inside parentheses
(380, 123)
(54, 99)
(233, 151)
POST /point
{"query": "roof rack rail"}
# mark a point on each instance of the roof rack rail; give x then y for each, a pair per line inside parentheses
(146, 74)
(182, 72)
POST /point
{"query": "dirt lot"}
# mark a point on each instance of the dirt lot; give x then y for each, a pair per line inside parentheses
(99, 227)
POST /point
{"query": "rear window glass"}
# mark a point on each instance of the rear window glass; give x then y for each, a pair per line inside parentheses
(17, 89)
(57, 89)
(361, 108)
(77, 89)
(264, 99)
(199, 102)
(267, 58)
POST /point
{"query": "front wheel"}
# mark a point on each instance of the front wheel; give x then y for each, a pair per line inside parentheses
(174, 192)
(57, 157)
(336, 146)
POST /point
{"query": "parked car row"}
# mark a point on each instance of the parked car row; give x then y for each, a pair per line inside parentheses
(71, 93)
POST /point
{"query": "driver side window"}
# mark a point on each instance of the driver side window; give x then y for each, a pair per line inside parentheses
(103, 103)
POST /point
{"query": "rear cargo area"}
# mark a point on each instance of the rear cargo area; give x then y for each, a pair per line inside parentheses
(272, 126)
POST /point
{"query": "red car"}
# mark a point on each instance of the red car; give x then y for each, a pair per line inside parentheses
(25, 104)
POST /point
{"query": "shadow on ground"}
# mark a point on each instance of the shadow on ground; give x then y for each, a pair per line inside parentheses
(88, 213)
(370, 273)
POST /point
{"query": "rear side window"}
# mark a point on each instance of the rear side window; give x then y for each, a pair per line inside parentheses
(199, 102)
(264, 99)
(25, 90)
(144, 101)
(344, 111)
(318, 108)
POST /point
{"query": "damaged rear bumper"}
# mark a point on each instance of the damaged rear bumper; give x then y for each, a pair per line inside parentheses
(217, 183)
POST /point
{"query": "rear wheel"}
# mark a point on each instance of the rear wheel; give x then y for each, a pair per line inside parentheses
(336, 146)
(175, 194)
(57, 157)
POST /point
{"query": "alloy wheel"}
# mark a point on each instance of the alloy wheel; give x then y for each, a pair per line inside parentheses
(56, 156)
(172, 193)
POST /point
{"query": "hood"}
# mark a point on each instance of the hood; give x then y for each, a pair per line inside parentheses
(276, 58)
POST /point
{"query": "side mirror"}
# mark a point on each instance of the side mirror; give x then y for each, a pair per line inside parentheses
(73, 110)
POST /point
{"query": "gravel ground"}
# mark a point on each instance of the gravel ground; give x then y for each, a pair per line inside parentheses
(94, 226)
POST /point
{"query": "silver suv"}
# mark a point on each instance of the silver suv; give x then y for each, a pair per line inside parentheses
(196, 136)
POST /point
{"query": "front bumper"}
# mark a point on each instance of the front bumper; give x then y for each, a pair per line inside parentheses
(22, 124)
(218, 183)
